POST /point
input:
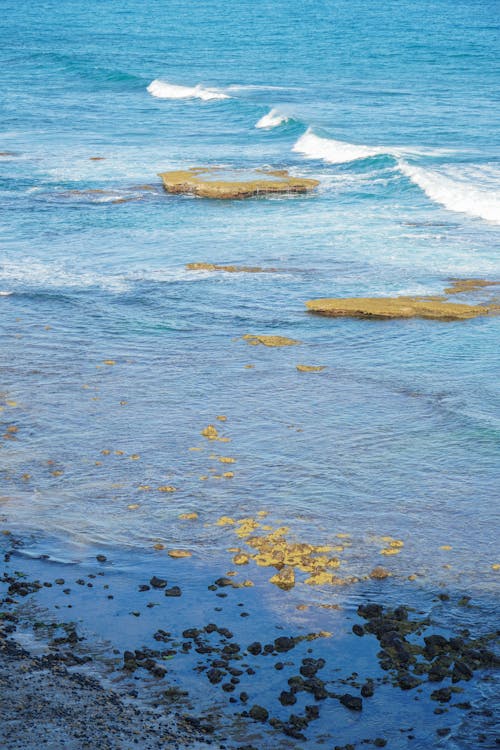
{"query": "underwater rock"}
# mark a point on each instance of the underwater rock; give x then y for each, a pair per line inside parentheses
(310, 368)
(227, 269)
(199, 181)
(459, 286)
(267, 340)
(395, 307)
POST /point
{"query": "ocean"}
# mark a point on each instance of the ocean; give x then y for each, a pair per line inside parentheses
(115, 356)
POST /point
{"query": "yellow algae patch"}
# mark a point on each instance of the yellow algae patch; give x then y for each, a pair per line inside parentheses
(167, 488)
(241, 559)
(98, 463)
(468, 285)
(284, 578)
(134, 457)
(268, 340)
(196, 449)
(158, 546)
(179, 553)
(225, 521)
(495, 566)
(446, 547)
(12, 428)
(227, 269)
(203, 478)
(133, 506)
(109, 362)
(228, 474)
(262, 513)
(144, 487)
(118, 453)
(105, 452)
(249, 367)
(310, 368)
(57, 473)
(396, 543)
(221, 418)
(227, 460)
(197, 181)
(188, 516)
(395, 307)
(246, 526)
(390, 551)
(13, 404)
(224, 440)
(210, 432)
(342, 536)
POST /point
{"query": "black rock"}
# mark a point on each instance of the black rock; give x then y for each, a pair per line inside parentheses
(255, 648)
(283, 644)
(158, 583)
(287, 698)
(259, 713)
(367, 690)
(358, 630)
(443, 695)
(174, 591)
(352, 702)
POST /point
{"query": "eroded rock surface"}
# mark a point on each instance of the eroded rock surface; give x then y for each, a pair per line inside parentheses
(199, 181)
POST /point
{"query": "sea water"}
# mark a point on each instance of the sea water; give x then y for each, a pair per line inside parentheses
(393, 107)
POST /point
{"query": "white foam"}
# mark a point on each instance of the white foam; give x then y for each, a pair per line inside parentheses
(164, 90)
(332, 151)
(5, 294)
(271, 120)
(459, 191)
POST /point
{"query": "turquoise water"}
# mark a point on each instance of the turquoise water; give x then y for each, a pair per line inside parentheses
(394, 109)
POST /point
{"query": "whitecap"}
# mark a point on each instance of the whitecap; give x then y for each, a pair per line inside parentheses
(468, 191)
(271, 120)
(164, 90)
(4, 293)
(332, 151)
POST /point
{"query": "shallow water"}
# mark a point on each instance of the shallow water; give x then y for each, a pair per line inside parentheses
(393, 109)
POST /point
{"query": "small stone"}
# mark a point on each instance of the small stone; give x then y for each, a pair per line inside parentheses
(158, 583)
(101, 558)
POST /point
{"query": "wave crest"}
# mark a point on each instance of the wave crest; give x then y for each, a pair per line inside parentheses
(273, 119)
(457, 193)
(164, 90)
(332, 151)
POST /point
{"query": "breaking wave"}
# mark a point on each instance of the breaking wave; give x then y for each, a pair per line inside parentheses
(459, 192)
(332, 151)
(164, 90)
(273, 119)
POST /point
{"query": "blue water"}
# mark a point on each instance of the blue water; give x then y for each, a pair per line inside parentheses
(393, 107)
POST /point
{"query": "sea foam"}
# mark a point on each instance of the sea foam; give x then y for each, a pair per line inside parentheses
(332, 151)
(466, 192)
(164, 90)
(273, 119)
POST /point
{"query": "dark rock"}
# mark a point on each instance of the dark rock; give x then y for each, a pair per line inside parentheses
(144, 587)
(101, 558)
(174, 591)
(352, 702)
(443, 695)
(223, 582)
(259, 713)
(158, 583)
(367, 690)
(358, 630)
(283, 644)
(215, 675)
(379, 742)
(407, 681)
(312, 712)
(287, 698)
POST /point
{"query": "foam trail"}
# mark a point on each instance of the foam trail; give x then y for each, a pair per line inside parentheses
(459, 195)
(164, 90)
(271, 120)
(332, 151)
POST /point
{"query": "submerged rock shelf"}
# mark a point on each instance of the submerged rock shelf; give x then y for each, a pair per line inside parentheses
(396, 307)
